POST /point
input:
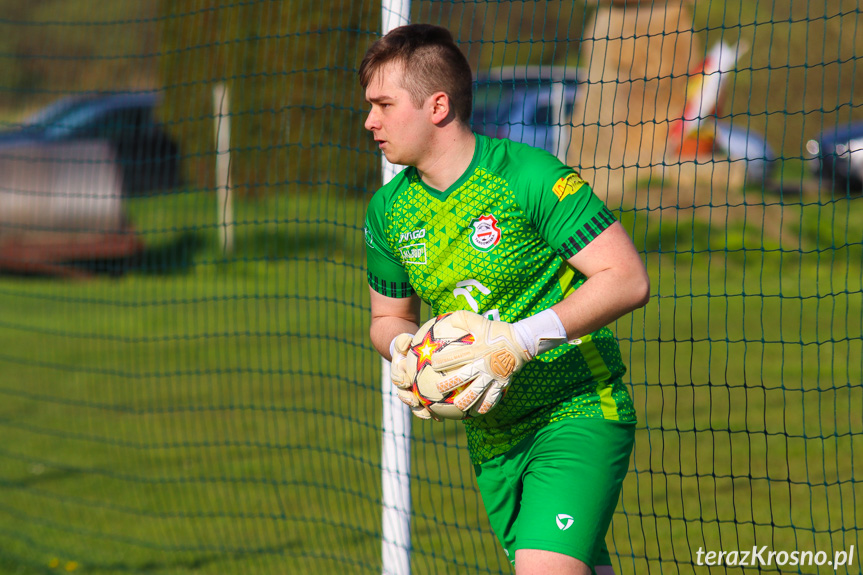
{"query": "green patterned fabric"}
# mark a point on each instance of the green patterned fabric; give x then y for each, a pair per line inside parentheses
(496, 243)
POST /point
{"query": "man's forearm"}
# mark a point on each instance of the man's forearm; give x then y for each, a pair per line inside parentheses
(617, 283)
(601, 300)
(391, 317)
(385, 329)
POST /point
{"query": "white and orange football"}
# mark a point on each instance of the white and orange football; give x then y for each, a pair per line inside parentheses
(439, 341)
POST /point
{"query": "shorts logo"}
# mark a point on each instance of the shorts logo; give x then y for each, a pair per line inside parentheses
(564, 521)
(567, 186)
(486, 234)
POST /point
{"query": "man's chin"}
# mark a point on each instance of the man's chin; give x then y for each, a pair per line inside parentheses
(393, 159)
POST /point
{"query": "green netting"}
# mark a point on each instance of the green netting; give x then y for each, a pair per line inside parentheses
(170, 403)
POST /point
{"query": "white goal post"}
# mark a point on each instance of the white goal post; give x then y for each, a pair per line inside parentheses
(395, 448)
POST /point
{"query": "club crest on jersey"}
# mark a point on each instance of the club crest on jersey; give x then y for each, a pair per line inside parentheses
(486, 234)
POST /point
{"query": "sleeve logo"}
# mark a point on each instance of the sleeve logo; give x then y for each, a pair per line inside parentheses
(567, 185)
(486, 234)
(414, 254)
(370, 239)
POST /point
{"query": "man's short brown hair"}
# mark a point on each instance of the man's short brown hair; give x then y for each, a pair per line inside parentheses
(432, 63)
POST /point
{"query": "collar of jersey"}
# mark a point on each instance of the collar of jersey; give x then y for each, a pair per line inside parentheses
(442, 195)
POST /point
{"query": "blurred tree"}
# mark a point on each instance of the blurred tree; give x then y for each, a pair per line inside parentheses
(510, 32)
(51, 48)
(801, 73)
(296, 108)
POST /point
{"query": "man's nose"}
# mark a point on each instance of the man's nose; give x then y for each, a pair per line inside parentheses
(371, 121)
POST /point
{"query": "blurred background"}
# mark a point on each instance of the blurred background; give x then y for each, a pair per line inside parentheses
(186, 380)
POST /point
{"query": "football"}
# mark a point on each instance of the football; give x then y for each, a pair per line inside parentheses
(439, 338)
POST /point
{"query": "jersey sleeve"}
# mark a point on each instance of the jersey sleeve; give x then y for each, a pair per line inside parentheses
(560, 203)
(386, 275)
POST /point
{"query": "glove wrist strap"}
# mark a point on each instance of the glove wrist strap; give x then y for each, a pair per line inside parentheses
(393, 351)
(540, 333)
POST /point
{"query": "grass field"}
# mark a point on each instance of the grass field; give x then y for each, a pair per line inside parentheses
(211, 413)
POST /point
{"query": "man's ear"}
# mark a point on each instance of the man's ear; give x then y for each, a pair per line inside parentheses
(440, 107)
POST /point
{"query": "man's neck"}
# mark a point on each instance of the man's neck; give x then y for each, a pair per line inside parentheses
(448, 159)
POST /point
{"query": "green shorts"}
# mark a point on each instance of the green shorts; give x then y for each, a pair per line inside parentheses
(557, 490)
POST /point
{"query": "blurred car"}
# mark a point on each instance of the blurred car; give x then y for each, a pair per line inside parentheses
(837, 155)
(743, 144)
(528, 104)
(148, 156)
(533, 105)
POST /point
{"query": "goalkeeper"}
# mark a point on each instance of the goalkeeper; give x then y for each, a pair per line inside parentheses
(520, 242)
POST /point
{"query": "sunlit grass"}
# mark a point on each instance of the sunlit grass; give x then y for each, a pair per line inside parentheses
(216, 412)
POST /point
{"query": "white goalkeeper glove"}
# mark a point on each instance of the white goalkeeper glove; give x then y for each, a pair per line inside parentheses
(499, 351)
(399, 348)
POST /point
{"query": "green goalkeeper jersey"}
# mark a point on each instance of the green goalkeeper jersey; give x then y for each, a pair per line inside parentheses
(496, 243)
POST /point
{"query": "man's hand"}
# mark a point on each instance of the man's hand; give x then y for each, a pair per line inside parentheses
(404, 386)
(499, 351)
